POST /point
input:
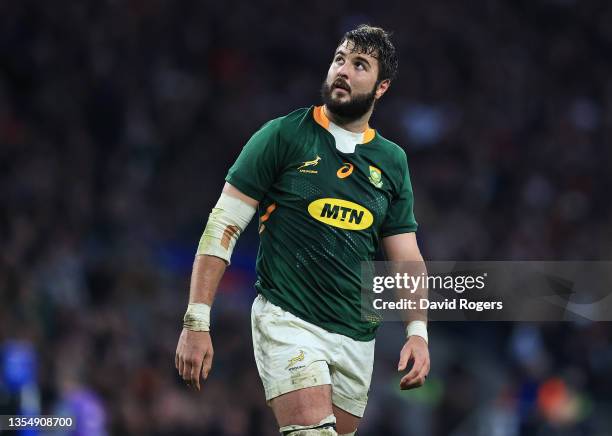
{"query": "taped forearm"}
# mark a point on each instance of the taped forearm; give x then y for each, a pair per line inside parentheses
(228, 219)
(226, 222)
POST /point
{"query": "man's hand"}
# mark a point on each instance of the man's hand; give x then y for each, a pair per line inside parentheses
(415, 350)
(194, 354)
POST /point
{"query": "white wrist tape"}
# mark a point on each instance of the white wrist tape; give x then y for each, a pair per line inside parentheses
(227, 220)
(417, 328)
(197, 317)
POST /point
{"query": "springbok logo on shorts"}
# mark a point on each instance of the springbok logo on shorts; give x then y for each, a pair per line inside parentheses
(296, 359)
(310, 163)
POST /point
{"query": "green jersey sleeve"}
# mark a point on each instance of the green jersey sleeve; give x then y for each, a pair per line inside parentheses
(259, 162)
(400, 216)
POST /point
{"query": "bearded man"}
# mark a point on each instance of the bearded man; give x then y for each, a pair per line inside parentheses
(328, 190)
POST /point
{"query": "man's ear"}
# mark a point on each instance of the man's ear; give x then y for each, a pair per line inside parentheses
(382, 88)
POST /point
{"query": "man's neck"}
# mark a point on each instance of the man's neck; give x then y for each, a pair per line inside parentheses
(359, 125)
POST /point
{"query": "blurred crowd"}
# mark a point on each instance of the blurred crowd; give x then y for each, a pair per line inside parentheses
(119, 120)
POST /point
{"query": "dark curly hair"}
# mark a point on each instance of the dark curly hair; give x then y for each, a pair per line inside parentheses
(375, 42)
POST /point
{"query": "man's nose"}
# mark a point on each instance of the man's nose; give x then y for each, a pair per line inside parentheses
(343, 70)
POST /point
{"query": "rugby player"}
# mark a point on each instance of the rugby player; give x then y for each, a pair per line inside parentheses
(328, 190)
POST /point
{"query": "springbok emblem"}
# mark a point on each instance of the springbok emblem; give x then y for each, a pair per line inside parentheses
(310, 163)
(296, 359)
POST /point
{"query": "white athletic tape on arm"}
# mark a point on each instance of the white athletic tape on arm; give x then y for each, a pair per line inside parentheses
(227, 220)
(417, 328)
(197, 317)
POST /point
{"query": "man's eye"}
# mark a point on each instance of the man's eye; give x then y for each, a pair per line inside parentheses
(338, 59)
(359, 66)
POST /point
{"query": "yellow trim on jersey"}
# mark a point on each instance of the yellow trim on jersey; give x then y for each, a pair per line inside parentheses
(321, 118)
(368, 135)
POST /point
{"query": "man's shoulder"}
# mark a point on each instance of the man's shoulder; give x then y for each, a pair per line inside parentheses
(392, 155)
(290, 122)
(389, 147)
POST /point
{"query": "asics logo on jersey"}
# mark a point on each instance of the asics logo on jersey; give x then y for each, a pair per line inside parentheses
(310, 163)
(343, 214)
(345, 170)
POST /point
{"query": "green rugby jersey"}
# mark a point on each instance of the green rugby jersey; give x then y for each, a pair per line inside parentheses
(321, 213)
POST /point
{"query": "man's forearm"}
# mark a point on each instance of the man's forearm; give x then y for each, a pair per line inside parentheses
(418, 268)
(405, 258)
(228, 219)
(205, 277)
(413, 268)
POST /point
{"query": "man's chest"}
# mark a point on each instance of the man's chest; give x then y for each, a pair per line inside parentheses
(347, 190)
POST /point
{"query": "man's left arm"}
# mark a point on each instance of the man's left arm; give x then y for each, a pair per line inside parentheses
(403, 247)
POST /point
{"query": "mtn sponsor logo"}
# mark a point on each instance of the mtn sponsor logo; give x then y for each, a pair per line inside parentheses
(343, 214)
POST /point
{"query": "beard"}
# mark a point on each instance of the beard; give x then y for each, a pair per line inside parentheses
(355, 108)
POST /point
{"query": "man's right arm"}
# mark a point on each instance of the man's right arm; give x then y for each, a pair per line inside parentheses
(208, 270)
(194, 351)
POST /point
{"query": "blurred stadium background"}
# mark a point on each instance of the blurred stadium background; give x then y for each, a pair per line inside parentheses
(119, 120)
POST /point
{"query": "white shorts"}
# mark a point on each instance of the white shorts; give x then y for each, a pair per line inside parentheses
(293, 354)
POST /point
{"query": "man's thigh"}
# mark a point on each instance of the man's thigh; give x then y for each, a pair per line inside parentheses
(306, 406)
(345, 422)
(290, 354)
(351, 375)
(309, 406)
(292, 358)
